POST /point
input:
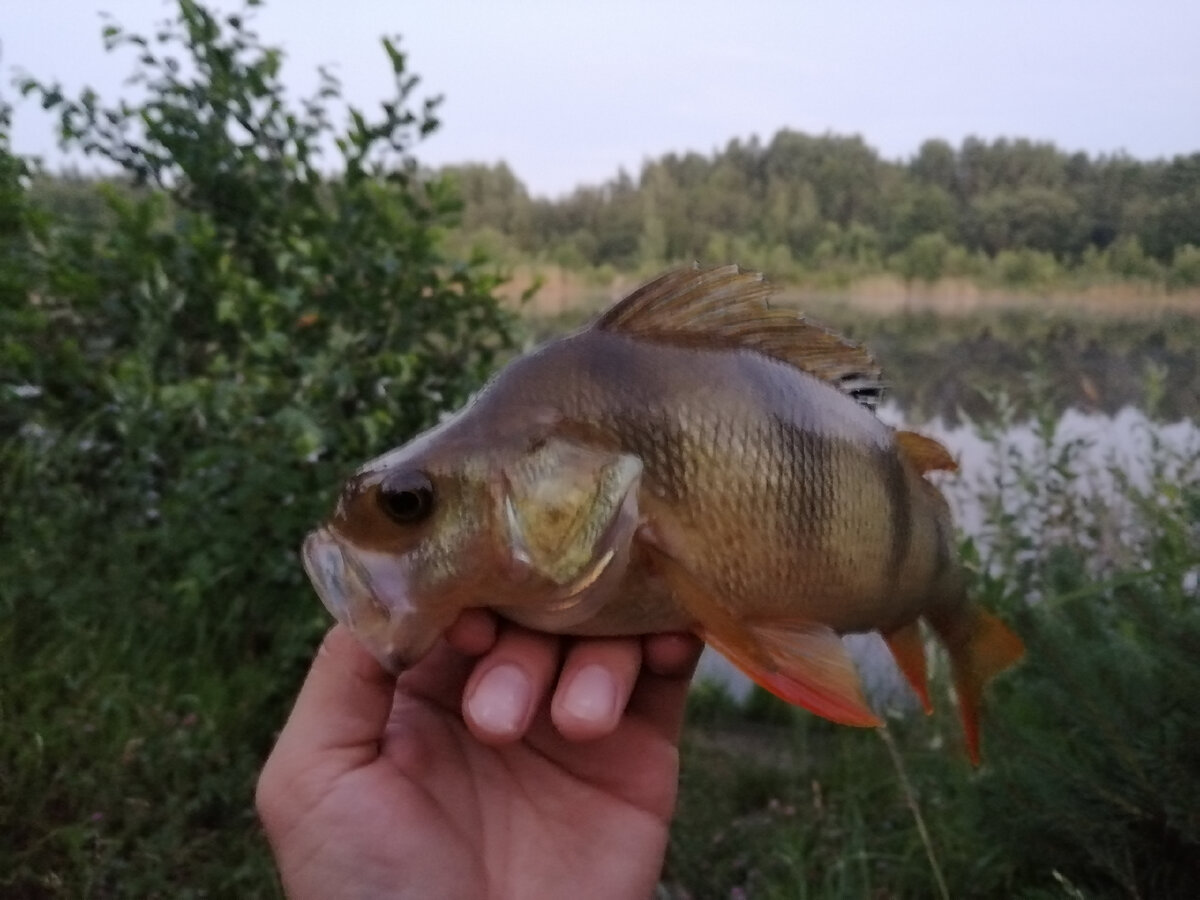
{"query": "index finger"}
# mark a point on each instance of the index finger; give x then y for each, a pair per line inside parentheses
(660, 696)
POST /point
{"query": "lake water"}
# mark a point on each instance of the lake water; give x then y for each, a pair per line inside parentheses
(1100, 443)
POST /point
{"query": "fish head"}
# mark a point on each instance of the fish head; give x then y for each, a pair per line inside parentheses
(404, 552)
(527, 525)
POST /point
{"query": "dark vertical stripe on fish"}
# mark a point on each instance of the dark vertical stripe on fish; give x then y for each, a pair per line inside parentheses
(806, 496)
(895, 484)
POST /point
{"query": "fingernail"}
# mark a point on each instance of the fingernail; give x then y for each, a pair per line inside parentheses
(592, 695)
(501, 700)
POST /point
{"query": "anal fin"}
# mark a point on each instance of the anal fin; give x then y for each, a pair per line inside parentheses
(909, 652)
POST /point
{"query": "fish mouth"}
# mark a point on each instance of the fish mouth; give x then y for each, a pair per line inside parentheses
(336, 582)
(368, 592)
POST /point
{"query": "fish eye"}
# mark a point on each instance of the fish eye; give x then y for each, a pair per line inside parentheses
(406, 498)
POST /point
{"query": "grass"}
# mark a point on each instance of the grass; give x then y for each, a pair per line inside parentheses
(129, 769)
(786, 810)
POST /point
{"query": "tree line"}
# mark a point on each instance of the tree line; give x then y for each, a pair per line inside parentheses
(799, 203)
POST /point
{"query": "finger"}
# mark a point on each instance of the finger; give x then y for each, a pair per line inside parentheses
(442, 674)
(672, 655)
(439, 678)
(509, 684)
(473, 633)
(660, 695)
(336, 722)
(596, 681)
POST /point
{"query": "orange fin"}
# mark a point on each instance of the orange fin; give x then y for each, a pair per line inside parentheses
(909, 651)
(803, 663)
(727, 307)
(924, 453)
(798, 661)
(980, 647)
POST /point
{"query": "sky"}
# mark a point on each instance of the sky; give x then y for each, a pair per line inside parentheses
(568, 92)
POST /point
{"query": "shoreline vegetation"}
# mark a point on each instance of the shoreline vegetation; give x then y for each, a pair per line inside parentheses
(827, 211)
(557, 291)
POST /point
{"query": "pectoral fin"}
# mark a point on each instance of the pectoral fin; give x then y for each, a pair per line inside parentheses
(569, 514)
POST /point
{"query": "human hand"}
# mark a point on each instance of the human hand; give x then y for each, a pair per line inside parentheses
(470, 777)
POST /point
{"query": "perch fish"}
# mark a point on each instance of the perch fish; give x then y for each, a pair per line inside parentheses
(694, 460)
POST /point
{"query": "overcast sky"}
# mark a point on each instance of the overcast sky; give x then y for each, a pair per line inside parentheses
(566, 92)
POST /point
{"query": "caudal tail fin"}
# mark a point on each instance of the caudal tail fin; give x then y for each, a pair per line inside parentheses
(980, 647)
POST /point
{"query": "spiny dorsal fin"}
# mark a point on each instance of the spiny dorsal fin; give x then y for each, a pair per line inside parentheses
(727, 307)
(924, 453)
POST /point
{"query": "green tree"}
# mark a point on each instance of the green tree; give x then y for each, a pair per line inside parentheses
(20, 227)
(925, 258)
(1173, 219)
(1029, 217)
(492, 196)
(801, 192)
(1025, 268)
(922, 209)
(936, 164)
(1005, 164)
(792, 215)
(1127, 259)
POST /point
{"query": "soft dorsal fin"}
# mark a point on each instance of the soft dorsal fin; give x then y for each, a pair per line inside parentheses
(725, 306)
(924, 453)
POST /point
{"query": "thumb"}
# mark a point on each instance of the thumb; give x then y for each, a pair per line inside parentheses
(345, 700)
(337, 721)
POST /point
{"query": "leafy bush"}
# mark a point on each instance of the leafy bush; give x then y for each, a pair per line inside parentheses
(186, 387)
(924, 258)
(1025, 268)
(1185, 267)
(1126, 258)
